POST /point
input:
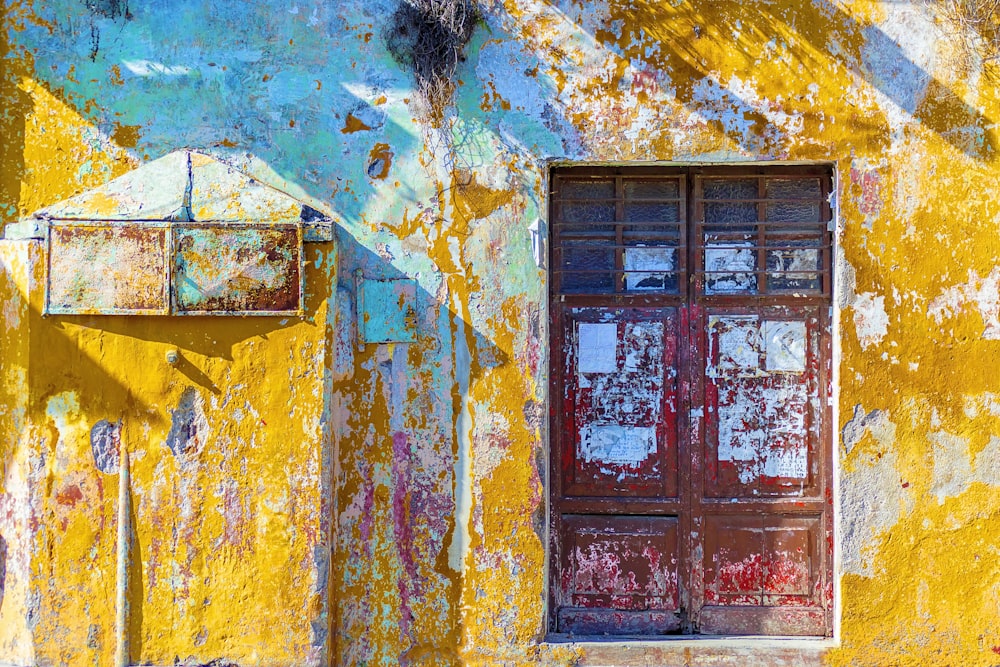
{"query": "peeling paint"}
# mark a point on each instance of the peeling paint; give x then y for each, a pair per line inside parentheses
(870, 318)
(385, 503)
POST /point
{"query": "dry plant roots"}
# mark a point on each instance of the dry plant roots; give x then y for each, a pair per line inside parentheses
(428, 36)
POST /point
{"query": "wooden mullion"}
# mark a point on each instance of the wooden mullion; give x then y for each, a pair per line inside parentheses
(683, 284)
(556, 241)
(761, 235)
(619, 237)
(696, 254)
(826, 266)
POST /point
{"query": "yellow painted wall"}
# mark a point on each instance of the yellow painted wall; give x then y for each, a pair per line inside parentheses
(16, 470)
(423, 465)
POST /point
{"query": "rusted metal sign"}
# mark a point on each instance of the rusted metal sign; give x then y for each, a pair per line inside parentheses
(386, 310)
(187, 234)
(179, 268)
(237, 270)
(105, 268)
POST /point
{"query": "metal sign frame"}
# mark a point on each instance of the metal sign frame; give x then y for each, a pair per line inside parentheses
(60, 279)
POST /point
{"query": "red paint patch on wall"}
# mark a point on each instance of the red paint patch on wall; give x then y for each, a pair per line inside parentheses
(870, 197)
(69, 496)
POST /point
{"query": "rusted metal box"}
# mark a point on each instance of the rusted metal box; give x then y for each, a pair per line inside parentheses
(178, 269)
(186, 234)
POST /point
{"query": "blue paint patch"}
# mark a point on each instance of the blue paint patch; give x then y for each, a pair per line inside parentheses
(387, 311)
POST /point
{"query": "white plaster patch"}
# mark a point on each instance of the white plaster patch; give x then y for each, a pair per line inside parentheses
(872, 500)
(952, 468)
(898, 60)
(987, 468)
(64, 411)
(987, 402)
(983, 293)
(846, 282)
(870, 319)
(875, 422)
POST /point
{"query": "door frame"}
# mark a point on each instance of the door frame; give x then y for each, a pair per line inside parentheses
(690, 305)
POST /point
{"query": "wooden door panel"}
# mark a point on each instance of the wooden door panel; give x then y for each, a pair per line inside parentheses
(763, 403)
(782, 621)
(620, 400)
(619, 575)
(761, 562)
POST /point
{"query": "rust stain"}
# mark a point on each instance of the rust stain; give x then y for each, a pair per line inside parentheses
(126, 136)
(237, 270)
(353, 124)
(104, 269)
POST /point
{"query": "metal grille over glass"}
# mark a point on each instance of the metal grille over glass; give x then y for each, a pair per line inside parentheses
(762, 234)
(619, 234)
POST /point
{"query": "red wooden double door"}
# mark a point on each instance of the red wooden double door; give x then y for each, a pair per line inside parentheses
(690, 366)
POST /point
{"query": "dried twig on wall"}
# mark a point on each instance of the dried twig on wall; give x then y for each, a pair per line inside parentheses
(977, 26)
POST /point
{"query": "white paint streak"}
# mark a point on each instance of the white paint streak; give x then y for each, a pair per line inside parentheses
(952, 467)
(459, 547)
(150, 68)
(874, 498)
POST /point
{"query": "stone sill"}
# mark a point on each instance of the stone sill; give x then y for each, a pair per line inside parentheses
(701, 651)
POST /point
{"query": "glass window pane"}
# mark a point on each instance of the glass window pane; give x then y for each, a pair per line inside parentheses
(587, 268)
(588, 189)
(730, 188)
(588, 212)
(651, 189)
(730, 213)
(793, 211)
(793, 188)
(650, 212)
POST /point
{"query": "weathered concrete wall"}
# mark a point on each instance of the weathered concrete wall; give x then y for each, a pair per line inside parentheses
(438, 491)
